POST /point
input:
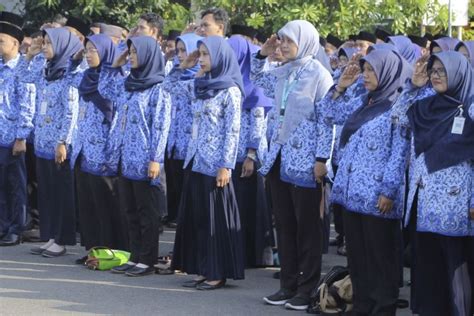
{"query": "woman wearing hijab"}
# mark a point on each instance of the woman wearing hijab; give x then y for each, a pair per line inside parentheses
(440, 200)
(467, 49)
(209, 240)
(295, 164)
(55, 125)
(369, 182)
(176, 83)
(443, 44)
(255, 215)
(100, 222)
(405, 47)
(137, 145)
(261, 77)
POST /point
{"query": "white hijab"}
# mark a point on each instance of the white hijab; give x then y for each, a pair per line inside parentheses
(313, 79)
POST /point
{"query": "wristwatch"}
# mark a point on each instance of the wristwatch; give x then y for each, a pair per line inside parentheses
(252, 156)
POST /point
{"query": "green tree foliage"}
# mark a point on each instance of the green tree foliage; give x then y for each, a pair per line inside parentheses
(340, 17)
(123, 12)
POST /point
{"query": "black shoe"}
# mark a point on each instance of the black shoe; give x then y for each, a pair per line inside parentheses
(81, 261)
(136, 271)
(10, 240)
(337, 242)
(207, 287)
(280, 297)
(342, 251)
(298, 303)
(121, 269)
(192, 283)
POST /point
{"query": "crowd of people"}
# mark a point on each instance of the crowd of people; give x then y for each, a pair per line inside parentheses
(229, 139)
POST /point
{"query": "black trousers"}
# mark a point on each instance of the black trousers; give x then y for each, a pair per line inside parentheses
(101, 222)
(137, 200)
(56, 201)
(299, 232)
(13, 198)
(443, 278)
(337, 213)
(174, 186)
(373, 255)
(255, 215)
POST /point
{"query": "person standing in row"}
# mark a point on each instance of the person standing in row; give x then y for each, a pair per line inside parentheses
(181, 121)
(255, 214)
(209, 237)
(295, 165)
(55, 125)
(369, 181)
(440, 201)
(17, 107)
(100, 222)
(137, 145)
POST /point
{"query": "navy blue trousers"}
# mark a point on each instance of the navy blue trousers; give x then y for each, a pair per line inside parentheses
(12, 192)
(56, 201)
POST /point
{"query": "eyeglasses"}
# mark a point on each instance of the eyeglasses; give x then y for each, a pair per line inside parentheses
(440, 72)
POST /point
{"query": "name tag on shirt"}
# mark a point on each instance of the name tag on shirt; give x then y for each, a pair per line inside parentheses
(195, 128)
(458, 125)
(82, 112)
(43, 107)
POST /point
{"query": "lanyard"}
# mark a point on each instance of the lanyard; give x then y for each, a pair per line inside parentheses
(288, 87)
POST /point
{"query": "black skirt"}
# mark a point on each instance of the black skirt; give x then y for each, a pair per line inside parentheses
(255, 215)
(209, 237)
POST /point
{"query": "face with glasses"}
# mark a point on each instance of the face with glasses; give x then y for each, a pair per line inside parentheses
(92, 56)
(438, 77)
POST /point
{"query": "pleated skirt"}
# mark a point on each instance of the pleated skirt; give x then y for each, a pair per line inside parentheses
(209, 239)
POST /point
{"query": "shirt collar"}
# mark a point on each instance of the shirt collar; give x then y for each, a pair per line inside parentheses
(12, 62)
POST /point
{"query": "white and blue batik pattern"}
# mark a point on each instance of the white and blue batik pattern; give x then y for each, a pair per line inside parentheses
(252, 132)
(181, 114)
(310, 140)
(17, 104)
(140, 126)
(372, 163)
(445, 196)
(57, 109)
(216, 122)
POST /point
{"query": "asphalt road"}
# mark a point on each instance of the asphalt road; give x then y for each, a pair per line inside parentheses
(33, 285)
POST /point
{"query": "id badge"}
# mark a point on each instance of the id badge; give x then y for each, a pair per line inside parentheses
(43, 107)
(458, 125)
(195, 127)
(82, 112)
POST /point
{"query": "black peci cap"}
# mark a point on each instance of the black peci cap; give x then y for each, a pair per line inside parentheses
(79, 25)
(418, 40)
(382, 34)
(11, 18)
(12, 30)
(334, 41)
(428, 36)
(366, 36)
(352, 37)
